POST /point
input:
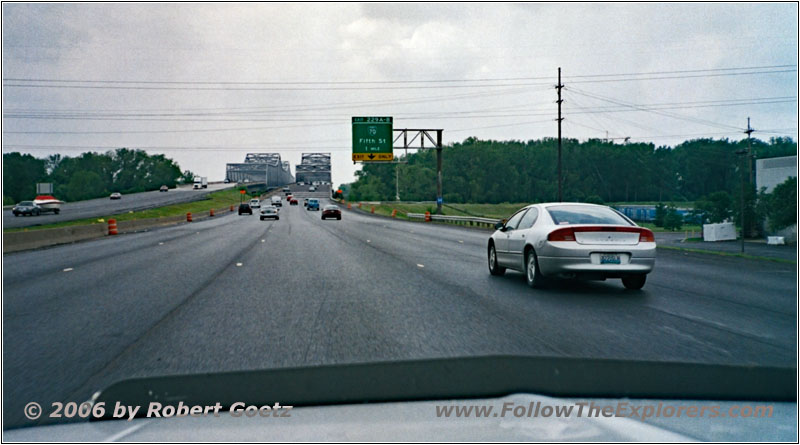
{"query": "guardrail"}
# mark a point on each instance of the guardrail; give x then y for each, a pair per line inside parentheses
(462, 220)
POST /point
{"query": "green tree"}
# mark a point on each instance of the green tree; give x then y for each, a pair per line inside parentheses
(716, 207)
(85, 185)
(672, 219)
(782, 205)
(20, 175)
(661, 213)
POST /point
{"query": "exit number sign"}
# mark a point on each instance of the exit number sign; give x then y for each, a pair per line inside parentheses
(372, 139)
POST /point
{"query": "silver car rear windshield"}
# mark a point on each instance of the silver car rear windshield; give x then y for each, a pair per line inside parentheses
(585, 215)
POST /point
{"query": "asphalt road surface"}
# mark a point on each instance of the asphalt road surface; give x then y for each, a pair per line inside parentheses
(95, 208)
(236, 293)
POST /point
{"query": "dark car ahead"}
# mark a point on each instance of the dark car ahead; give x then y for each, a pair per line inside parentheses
(26, 208)
(331, 211)
(245, 208)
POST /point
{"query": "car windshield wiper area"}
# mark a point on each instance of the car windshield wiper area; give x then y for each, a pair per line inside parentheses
(462, 378)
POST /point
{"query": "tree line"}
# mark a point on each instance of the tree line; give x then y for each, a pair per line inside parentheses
(89, 175)
(596, 170)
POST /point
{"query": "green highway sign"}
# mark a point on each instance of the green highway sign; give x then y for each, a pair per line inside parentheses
(372, 139)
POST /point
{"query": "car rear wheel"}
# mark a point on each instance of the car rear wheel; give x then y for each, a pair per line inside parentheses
(494, 268)
(634, 282)
(533, 276)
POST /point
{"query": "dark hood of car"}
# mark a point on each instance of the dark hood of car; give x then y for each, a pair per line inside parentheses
(460, 378)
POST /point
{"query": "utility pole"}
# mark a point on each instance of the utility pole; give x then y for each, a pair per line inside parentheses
(438, 172)
(747, 158)
(744, 154)
(749, 151)
(396, 182)
(558, 88)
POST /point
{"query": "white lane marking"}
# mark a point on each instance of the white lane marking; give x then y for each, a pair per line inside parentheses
(238, 264)
(263, 241)
(161, 244)
(420, 265)
(461, 242)
(69, 269)
(369, 241)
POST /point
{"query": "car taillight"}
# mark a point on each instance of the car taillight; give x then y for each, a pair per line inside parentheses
(646, 236)
(565, 234)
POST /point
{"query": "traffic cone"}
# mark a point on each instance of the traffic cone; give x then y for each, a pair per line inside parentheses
(189, 217)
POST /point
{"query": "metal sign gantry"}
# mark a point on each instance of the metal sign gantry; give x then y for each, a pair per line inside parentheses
(421, 134)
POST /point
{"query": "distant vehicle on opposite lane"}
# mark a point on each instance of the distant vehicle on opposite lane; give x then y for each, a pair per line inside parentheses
(331, 211)
(245, 208)
(313, 204)
(255, 203)
(26, 208)
(200, 182)
(163, 188)
(115, 195)
(269, 212)
(572, 240)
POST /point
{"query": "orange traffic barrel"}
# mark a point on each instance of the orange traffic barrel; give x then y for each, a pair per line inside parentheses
(359, 205)
(112, 226)
(211, 212)
(427, 216)
(189, 217)
(231, 208)
(349, 206)
(394, 213)
(372, 210)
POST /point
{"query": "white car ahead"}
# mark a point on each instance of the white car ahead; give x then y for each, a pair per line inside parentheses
(572, 240)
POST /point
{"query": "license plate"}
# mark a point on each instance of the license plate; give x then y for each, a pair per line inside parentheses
(608, 258)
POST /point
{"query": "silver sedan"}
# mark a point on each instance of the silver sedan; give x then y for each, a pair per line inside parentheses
(572, 240)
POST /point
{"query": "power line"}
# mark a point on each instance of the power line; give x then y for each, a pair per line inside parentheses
(637, 107)
(369, 82)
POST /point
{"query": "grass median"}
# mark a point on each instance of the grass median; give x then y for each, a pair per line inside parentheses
(214, 200)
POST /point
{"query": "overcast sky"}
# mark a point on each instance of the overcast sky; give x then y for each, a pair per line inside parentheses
(208, 83)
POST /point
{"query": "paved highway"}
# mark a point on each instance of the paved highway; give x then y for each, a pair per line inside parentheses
(95, 208)
(235, 293)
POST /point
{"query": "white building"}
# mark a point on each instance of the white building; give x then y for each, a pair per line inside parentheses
(773, 171)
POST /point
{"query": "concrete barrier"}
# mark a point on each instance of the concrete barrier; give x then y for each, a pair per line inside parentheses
(34, 239)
